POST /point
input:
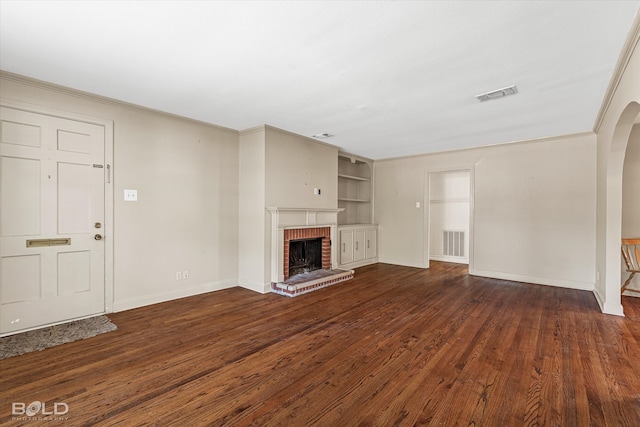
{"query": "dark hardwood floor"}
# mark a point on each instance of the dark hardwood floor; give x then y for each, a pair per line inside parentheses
(394, 346)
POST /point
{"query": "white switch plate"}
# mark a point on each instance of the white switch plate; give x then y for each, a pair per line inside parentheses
(418, 205)
(130, 195)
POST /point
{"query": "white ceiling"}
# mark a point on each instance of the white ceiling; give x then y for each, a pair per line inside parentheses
(387, 78)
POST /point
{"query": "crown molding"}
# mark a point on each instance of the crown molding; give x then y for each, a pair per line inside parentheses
(88, 96)
(621, 66)
(491, 146)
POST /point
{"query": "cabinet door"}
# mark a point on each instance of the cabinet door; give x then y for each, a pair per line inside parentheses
(359, 245)
(371, 249)
(346, 246)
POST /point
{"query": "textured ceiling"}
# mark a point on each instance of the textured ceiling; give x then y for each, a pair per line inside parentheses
(386, 78)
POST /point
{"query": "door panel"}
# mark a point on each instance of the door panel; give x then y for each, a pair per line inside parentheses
(51, 187)
(20, 196)
(74, 194)
(346, 246)
(74, 142)
(372, 243)
(26, 271)
(20, 134)
(74, 272)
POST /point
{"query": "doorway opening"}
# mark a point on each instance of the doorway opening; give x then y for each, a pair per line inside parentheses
(631, 199)
(448, 219)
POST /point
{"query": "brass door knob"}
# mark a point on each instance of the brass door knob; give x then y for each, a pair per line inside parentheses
(97, 237)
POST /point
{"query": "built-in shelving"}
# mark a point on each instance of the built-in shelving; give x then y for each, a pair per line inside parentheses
(342, 199)
(355, 178)
(358, 236)
(355, 190)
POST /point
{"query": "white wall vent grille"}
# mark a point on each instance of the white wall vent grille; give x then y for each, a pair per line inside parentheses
(453, 243)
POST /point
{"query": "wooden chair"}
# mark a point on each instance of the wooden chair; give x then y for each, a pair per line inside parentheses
(631, 255)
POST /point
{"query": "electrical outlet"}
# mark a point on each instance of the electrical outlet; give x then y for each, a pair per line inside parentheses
(185, 274)
(178, 275)
(130, 195)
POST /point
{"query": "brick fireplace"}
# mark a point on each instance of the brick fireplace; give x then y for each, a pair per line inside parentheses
(295, 234)
(291, 224)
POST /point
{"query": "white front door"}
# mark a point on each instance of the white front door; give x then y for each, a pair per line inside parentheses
(52, 256)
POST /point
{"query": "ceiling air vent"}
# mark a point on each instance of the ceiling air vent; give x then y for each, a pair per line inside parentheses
(495, 94)
(322, 135)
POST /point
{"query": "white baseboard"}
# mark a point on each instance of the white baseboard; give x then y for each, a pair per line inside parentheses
(145, 300)
(357, 264)
(560, 283)
(404, 263)
(261, 288)
(454, 259)
(608, 308)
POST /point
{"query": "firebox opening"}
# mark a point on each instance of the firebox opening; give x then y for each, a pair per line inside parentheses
(305, 255)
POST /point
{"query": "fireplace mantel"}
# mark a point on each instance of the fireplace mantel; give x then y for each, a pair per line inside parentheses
(288, 218)
(303, 217)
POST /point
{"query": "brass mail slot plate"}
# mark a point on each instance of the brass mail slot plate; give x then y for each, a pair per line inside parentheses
(38, 243)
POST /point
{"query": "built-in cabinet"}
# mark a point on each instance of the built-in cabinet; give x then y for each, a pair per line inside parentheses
(358, 245)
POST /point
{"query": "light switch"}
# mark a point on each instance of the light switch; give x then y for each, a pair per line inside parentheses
(418, 205)
(130, 195)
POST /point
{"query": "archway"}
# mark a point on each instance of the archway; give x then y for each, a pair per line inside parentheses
(631, 199)
(615, 166)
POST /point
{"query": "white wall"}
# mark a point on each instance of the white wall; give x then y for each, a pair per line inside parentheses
(278, 169)
(187, 211)
(252, 228)
(186, 174)
(295, 166)
(534, 216)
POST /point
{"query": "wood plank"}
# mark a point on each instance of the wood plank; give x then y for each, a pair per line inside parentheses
(394, 346)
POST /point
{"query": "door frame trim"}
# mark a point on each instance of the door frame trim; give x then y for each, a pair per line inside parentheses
(427, 209)
(108, 185)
